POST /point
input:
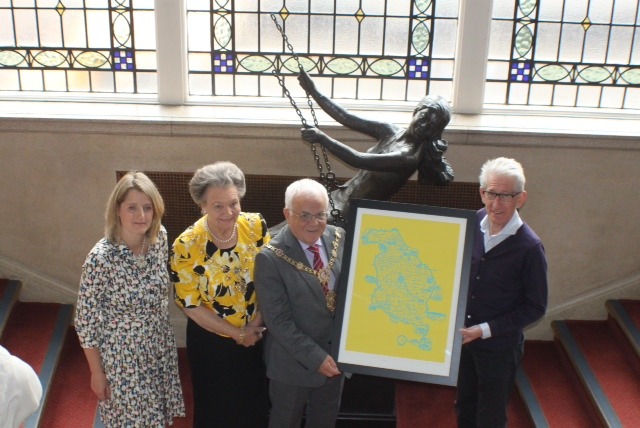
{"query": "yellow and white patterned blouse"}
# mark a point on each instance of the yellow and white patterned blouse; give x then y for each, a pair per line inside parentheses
(220, 279)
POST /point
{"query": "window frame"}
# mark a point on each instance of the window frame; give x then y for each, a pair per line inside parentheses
(469, 79)
(469, 68)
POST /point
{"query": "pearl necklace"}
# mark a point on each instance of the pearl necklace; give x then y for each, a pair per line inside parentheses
(222, 241)
(141, 260)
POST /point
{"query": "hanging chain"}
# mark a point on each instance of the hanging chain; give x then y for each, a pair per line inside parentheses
(328, 179)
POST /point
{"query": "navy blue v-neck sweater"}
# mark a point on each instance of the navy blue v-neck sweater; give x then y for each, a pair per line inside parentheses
(507, 286)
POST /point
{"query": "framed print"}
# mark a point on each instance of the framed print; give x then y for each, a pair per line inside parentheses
(402, 293)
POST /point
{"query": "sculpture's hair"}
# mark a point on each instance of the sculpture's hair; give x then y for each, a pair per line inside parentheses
(433, 168)
(439, 114)
(220, 175)
(138, 181)
(505, 167)
(305, 187)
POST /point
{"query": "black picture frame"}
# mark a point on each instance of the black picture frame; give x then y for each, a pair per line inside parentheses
(403, 291)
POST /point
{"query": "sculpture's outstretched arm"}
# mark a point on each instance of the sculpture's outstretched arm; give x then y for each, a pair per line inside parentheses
(383, 162)
(372, 128)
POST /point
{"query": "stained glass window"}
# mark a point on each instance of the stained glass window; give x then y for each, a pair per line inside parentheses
(571, 53)
(567, 53)
(96, 46)
(377, 50)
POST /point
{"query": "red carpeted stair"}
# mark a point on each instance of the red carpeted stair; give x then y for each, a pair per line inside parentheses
(185, 378)
(41, 334)
(73, 404)
(556, 386)
(29, 330)
(614, 368)
(588, 376)
(429, 405)
(71, 400)
(33, 332)
(632, 308)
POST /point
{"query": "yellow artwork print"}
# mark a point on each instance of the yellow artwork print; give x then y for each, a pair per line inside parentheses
(403, 287)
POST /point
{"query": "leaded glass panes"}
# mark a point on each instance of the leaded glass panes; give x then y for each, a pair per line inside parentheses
(572, 53)
(98, 46)
(375, 50)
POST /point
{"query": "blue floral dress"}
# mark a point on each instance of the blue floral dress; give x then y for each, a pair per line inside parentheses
(123, 311)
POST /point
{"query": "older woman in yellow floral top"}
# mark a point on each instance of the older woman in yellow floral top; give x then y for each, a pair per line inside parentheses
(212, 270)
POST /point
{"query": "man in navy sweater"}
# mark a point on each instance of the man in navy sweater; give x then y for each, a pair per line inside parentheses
(507, 292)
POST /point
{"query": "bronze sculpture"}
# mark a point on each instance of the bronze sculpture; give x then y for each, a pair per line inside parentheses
(397, 155)
(399, 152)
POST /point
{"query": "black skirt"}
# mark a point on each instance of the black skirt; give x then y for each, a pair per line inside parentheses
(230, 386)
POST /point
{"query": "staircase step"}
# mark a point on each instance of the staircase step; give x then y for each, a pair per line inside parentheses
(187, 391)
(627, 314)
(9, 290)
(551, 394)
(605, 370)
(533, 406)
(71, 384)
(425, 405)
(431, 405)
(633, 309)
(35, 333)
(588, 377)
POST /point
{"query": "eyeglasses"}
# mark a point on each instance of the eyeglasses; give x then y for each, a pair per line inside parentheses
(306, 217)
(504, 197)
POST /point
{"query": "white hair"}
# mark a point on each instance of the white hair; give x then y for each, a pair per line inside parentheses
(503, 167)
(306, 187)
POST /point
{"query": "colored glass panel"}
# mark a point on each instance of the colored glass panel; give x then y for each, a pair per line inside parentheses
(565, 53)
(78, 46)
(372, 44)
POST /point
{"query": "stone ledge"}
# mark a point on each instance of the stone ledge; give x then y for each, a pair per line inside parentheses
(503, 127)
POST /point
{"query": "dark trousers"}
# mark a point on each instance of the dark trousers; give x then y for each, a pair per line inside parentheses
(485, 381)
(320, 405)
(229, 381)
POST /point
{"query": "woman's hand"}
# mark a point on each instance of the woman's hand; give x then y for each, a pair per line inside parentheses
(251, 335)
(99, 383)
(100, 386)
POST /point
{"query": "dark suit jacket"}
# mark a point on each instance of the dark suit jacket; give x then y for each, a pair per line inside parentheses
(294, 310)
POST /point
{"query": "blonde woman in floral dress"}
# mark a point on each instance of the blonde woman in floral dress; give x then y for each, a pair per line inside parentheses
(212, 270)
(122, 316)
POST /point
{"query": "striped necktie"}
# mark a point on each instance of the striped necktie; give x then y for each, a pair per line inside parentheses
(318, 265)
